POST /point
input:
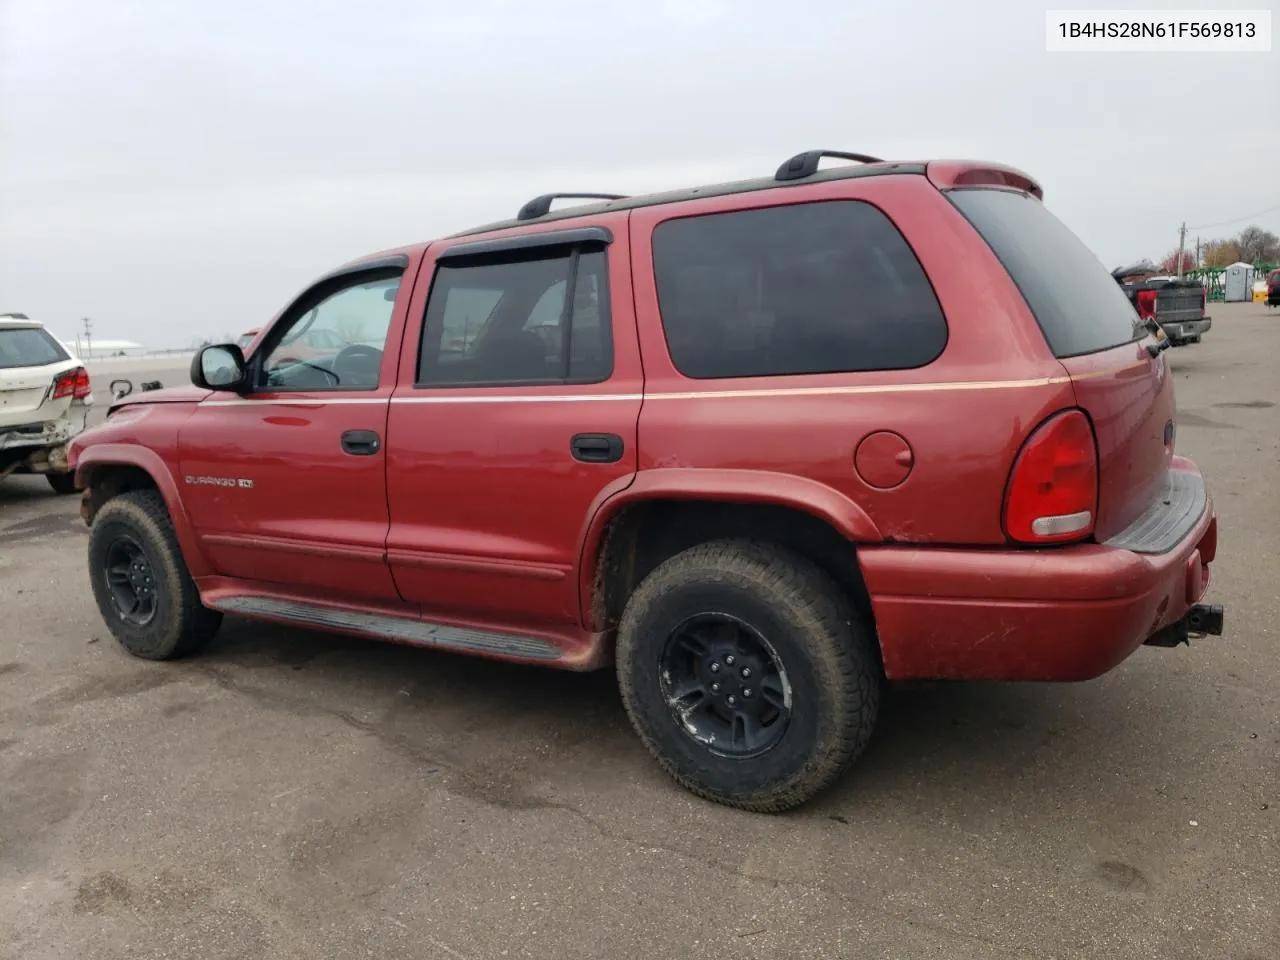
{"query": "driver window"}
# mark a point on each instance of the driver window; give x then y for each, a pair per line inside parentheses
(336, 343)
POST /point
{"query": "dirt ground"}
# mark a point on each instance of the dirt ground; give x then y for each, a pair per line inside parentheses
(296, 795)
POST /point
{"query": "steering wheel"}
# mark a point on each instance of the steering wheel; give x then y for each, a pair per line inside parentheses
(358, 352)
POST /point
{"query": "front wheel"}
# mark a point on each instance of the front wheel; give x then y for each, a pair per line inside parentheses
(140, 580)
(748, 674)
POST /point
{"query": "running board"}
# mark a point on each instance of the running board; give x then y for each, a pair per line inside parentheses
(397, 629)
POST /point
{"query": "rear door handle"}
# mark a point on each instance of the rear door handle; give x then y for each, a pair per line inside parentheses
(597, 447)
(361, 443)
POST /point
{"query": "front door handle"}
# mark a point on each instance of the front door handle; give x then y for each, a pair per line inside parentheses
(361, 443)
(597, 447)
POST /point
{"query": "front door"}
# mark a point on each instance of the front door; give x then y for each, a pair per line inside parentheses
(286, 483)
(520, 421)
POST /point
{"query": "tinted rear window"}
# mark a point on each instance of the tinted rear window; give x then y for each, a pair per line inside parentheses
(506, 321)
(29, 347)
(828, 287)
(1077, 302)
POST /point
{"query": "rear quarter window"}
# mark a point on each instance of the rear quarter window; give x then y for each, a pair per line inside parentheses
(1076, 301)
(826, 287)
(29, 347)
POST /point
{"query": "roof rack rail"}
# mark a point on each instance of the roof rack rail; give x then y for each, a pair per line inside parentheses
(806, 164)
(541, 206)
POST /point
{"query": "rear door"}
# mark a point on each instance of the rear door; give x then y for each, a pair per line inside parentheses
(520, 391)
(1095, 333)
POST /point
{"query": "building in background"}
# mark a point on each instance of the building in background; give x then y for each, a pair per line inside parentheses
(95, 349)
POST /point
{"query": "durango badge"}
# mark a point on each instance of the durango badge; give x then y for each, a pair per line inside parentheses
(240, 482)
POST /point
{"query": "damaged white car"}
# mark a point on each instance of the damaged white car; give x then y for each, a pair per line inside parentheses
(45, 398)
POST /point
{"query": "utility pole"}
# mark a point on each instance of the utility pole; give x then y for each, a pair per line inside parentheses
(1182, 245)
(88, 338)
(1197, 253)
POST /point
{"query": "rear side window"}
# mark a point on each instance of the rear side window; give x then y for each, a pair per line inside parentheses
(1077, 302)
(29, 347)
(827, 287)
(509, 321)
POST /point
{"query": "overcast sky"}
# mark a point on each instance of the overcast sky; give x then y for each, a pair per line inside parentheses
(175, 168)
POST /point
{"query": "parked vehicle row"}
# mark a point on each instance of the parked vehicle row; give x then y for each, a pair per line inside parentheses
(763, 446)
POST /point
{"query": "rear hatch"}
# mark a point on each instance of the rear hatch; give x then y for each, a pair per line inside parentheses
(1179, 300)
(1097, 336)
(30, 360)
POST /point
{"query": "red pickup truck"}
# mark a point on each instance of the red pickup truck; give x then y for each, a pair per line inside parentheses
(763, 446)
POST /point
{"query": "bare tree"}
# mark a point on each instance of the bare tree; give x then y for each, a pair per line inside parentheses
(1256, 244)
(1220, 253)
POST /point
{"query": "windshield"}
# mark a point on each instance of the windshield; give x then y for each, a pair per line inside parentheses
(1078, 304)
(29, 347)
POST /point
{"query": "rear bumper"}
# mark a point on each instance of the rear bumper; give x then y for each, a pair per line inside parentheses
(1181, 329)
(38, 447)
(1054, 614)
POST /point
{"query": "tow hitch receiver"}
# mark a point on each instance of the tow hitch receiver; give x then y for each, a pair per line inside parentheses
(1203, 619)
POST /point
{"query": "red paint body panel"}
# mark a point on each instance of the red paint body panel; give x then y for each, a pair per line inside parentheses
(487, 502)
(1128, 395)
(1067, 614)
(144, 436)
(315, 516)
(474, 513)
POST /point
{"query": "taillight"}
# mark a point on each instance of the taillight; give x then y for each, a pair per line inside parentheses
(1053, 489)
(73, 383)
(1146, 303)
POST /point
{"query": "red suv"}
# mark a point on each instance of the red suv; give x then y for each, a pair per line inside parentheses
(762, 445)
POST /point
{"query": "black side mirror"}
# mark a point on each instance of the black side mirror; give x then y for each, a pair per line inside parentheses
(219, 367)
(120, 389)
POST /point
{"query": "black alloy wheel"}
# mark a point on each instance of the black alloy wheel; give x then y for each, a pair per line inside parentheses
(725, 685)
(131, 581)
(748, 673)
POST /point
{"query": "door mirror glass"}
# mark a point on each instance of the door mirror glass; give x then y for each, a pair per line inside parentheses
(121, 388)
(219, 367)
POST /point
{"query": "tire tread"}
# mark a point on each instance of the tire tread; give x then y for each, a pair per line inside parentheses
(840, 649)
(192, 624)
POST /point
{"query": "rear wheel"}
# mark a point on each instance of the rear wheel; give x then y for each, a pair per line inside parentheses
(141, 583)
(62, 483)
(747, 674)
